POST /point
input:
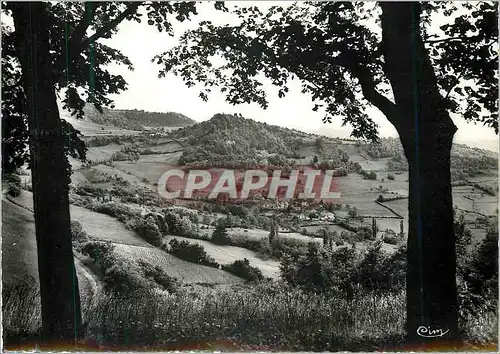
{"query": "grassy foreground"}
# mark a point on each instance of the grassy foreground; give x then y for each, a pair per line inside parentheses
(258, 317)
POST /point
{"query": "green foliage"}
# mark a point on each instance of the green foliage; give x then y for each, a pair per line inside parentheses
(158, 275)
(191, 252)
(243, 269)
(371, 175)
(123, 276)
(390, 239)
(319, 46)
(78, 234)
(233, 141)
(100, 252)
(320, 270)
(353, 212)
(148, 229)
(220, 235)
(136, 119)
(344, 272)
(13, 183)
(365, 234)
(477, 273)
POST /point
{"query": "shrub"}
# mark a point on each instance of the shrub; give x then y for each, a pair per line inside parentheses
(78, 234)
(149, 231)
(13, 184)
(191, 252)
(321, 270)
(390, 176)
(243, 269)
(220, 236)
(124, 277)
(158, 275)
(365, 234)
(391, 239)
(100, 252)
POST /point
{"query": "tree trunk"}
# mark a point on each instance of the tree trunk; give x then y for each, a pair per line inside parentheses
(426, 131)
(61, 317)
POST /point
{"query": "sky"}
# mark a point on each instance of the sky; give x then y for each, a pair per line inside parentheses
(146, 91)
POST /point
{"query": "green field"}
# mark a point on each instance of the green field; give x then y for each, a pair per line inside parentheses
(167, 158)
(101, 226)
(229, 254)
(185, 271)
(146, 170)
(19, 253)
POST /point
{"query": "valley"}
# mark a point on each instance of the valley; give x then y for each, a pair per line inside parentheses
(126, 171)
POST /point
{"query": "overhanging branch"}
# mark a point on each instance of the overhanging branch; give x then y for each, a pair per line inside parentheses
(370, 93)
(78, 41)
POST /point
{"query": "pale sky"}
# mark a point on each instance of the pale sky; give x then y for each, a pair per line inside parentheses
(146, 91)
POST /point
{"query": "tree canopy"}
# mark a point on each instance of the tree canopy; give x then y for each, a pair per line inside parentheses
(80, 63)
(334, 49)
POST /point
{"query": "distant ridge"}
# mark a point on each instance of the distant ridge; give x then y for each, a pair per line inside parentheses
(136, 119)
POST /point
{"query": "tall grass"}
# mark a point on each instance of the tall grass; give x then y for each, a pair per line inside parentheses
(271, 316)
(262, 316)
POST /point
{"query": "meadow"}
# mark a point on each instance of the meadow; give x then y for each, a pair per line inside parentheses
(229, 254)
(189, 273)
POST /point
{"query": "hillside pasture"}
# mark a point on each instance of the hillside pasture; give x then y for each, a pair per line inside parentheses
(104, 170)
(333, 228)
(186, 272)
(259, 234)
(377, 165)
(149, 169)
(88, 128)
(168, 146)
(19, 251)
(102, 227)
(229, 254)
(167, 158)
(465, 196)
(101, 153)
(78, 177)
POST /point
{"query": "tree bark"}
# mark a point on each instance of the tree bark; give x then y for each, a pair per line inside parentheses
(61, 316)
(426, 132)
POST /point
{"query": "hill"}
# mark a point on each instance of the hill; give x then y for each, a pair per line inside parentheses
(466, 161)
(233, 141)
(136, 119)
(233, 138)
(19, 254)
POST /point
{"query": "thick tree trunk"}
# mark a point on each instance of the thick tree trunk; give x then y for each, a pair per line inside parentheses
(431, 270)
(426, 131)
(61, 317)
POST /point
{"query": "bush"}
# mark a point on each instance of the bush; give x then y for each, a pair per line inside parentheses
(390, 176)
(372, 175)
(391, 239)
(158, 275)
(149, 231)
(13, 184)
(124, 277)
(78, 234)
(193, 253)
(321, 270)
(100, 252)
(244, 270)
(220, 236)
